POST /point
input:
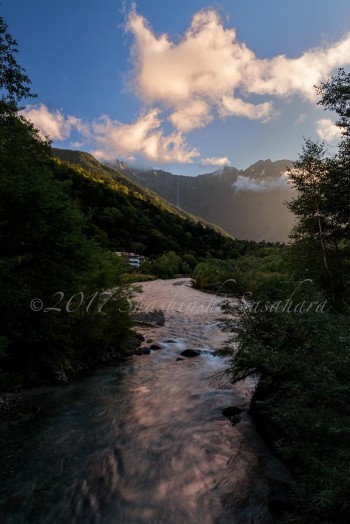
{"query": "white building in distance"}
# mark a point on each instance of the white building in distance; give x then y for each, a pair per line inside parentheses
(134, 259)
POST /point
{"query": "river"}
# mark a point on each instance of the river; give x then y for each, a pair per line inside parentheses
(143, 442)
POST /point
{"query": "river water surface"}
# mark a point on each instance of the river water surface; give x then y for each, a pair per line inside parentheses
(143, 442)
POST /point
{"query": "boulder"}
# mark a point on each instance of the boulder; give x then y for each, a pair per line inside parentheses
(232, 411)
(156, 347)
(190, 353)
(145, 351)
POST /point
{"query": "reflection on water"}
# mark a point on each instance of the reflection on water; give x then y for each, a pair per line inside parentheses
(142, 442)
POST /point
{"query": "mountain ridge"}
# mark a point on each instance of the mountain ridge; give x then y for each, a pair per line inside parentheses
(247, 203)
(241, 203)
(89, 162)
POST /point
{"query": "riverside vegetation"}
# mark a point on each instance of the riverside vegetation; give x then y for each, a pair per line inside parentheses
(293, 325)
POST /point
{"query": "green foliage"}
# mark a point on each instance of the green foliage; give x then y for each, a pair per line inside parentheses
(293, 329)
(167, 265)
(260, 268)
(335, 96)
(320, 238)
(301, 401)
(214, 275)
(44, 251)
(46, 254)
(14, 83)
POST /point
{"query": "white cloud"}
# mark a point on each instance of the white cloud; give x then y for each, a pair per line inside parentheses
(283, 76)
(215, 161)
(52, 123)
(206, 73)
(110, 139)
(245, 183)
(237, 107)
(327, 131)
(195, 114)
(77, 144)
(144, 137)
(209, 70)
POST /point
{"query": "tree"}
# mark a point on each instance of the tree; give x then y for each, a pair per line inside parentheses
(322, 206)
(44, 250)
(14, 82)
(167, 265)
(314, 231)
(335, 96)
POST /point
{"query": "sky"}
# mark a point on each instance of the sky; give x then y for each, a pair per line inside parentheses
(185, 86)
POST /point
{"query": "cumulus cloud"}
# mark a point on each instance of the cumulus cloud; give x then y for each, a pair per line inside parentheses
(209, 70)
(327, 131)
(245, 183)
(237, 107)
(144, 137)
(195, 114)
(53, 124)
(110, 139)
(215, 161)
(206, 73)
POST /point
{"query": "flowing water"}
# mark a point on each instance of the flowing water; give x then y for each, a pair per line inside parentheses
(143, 442)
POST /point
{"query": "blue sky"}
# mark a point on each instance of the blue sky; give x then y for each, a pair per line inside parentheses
(228, 82)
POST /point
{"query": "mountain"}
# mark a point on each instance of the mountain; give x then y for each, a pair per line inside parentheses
(117, 173)
(248, 204)
(123, 216)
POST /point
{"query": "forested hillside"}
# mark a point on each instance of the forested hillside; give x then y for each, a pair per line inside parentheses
(123, 216)
(125, 184)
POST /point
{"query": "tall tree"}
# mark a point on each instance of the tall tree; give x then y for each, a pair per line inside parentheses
(322, 205)
(14, 82)
(335, 96)
(43, 247)
(314, 233)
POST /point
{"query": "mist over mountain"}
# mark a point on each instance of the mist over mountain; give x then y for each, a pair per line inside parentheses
(248, 204)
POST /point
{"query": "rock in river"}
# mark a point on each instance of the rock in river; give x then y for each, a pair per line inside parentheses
(232, 411)
(191, 353)
(156, 347)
